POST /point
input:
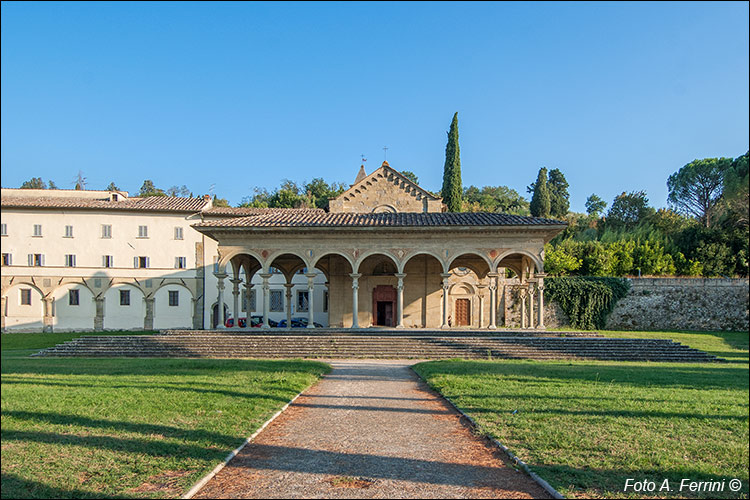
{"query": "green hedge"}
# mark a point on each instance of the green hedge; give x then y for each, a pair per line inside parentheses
(586, 300)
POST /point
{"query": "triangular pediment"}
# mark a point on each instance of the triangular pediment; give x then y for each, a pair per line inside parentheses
(385, 189)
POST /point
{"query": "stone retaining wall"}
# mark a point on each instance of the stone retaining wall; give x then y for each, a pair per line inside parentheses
(674, 304)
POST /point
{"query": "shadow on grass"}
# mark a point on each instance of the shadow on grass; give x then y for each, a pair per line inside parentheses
(703, 376)
(17, 487)
(10, 379)
(155, 366)
(194, 435)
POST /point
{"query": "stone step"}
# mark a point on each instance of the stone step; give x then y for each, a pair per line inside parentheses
(424, 347)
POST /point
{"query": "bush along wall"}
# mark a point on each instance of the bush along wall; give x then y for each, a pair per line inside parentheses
(586, 300)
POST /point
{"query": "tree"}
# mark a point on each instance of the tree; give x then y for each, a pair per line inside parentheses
(629, 209)
(452, 189)
(318, 192)
(112, 187)
(736, 191)
(411, 176)
(220, 202)
(52, 185)
(559, 199)
(34, 183)
(540, 199)
(595, 205)
(696, 188)
(494, 199)
(148, 189)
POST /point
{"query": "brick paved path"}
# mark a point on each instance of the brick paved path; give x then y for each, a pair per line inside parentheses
(370, 429)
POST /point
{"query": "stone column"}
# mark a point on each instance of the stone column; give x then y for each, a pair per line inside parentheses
(481, 288)
(48, 319)
(532, 292)
(400, 300)
(266, 299)
(522, 291)
(355, 299)
(236, 293)
(493, 301)
(289, 287)
(220, 300)
(148, 321)
(310, 301)
(248, 312)
(540, 286)
(99, 318)
(446, 286)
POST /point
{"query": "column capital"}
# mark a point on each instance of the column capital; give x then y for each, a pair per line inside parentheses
(248, 286)
(289, 286)
(311, 275)
(265, 276)
(221, 276)
(540, 275)
(493, 275)
(355, 276)
(235, 281)
(445, 276)
(400, 275)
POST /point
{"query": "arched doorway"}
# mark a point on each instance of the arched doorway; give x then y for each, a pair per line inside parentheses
(383, 305)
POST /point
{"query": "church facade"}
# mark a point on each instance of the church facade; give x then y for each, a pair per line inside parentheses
(391, 257)
(384, 254)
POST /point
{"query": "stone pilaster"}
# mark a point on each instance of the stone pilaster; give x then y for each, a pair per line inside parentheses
(148, 320)
(99, 318)
(48, 320)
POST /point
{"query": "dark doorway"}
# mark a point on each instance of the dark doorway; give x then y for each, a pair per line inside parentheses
(215, 315)
(463, 312)
(384, 313)
(383, 305)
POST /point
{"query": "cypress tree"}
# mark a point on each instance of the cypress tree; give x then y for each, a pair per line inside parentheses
(540, 200)
(558, 194)
(452, 189)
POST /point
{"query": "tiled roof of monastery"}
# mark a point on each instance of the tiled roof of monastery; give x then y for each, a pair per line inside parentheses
(293, 218)
(244, 211)
(151, 203)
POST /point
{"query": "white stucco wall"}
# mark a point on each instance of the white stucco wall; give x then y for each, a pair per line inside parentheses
(68, 317)
(179, 316)
(23, 317)
(117, 317)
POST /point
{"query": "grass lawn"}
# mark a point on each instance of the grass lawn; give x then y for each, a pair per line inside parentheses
(123, 427)
(586, 427)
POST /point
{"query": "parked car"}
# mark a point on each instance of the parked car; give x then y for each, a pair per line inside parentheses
(298, 323)
(255, 322)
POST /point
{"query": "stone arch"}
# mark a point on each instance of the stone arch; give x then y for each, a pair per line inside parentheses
(462, 287)
(23, 317)
(224, 258)
(535, 259)
(346, 257)
(371, 253)
(167, 315)
(478, 270)
(118, 316)
(72, 317)
(416, 253)
(280, 253)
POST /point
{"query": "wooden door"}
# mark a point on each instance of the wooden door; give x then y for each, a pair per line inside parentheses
(463, 312)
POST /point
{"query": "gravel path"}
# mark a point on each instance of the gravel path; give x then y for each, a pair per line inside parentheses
(369, 429)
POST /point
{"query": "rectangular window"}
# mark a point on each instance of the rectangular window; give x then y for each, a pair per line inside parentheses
(251, 302)
(243, 301)
(180, 262)
(106, 230)
(277, 301)
(124, 297)
(141, 262)
(325, 301)
(303, 301)
(108, 261)
(37, 229)
(178, 233)
(70, 260)
(3, 229)
(25, 296)
(174, 298)
(143, 231)
(73, 297)
(68, 231)
(36, 259)
(7, 259)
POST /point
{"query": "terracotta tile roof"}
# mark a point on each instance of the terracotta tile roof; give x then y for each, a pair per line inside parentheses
(326, 219)
(244, 211)
(151, 204)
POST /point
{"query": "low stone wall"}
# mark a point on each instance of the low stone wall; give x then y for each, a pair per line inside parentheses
(674, 304)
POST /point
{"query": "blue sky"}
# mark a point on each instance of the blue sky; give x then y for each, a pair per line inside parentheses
(241, 95)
